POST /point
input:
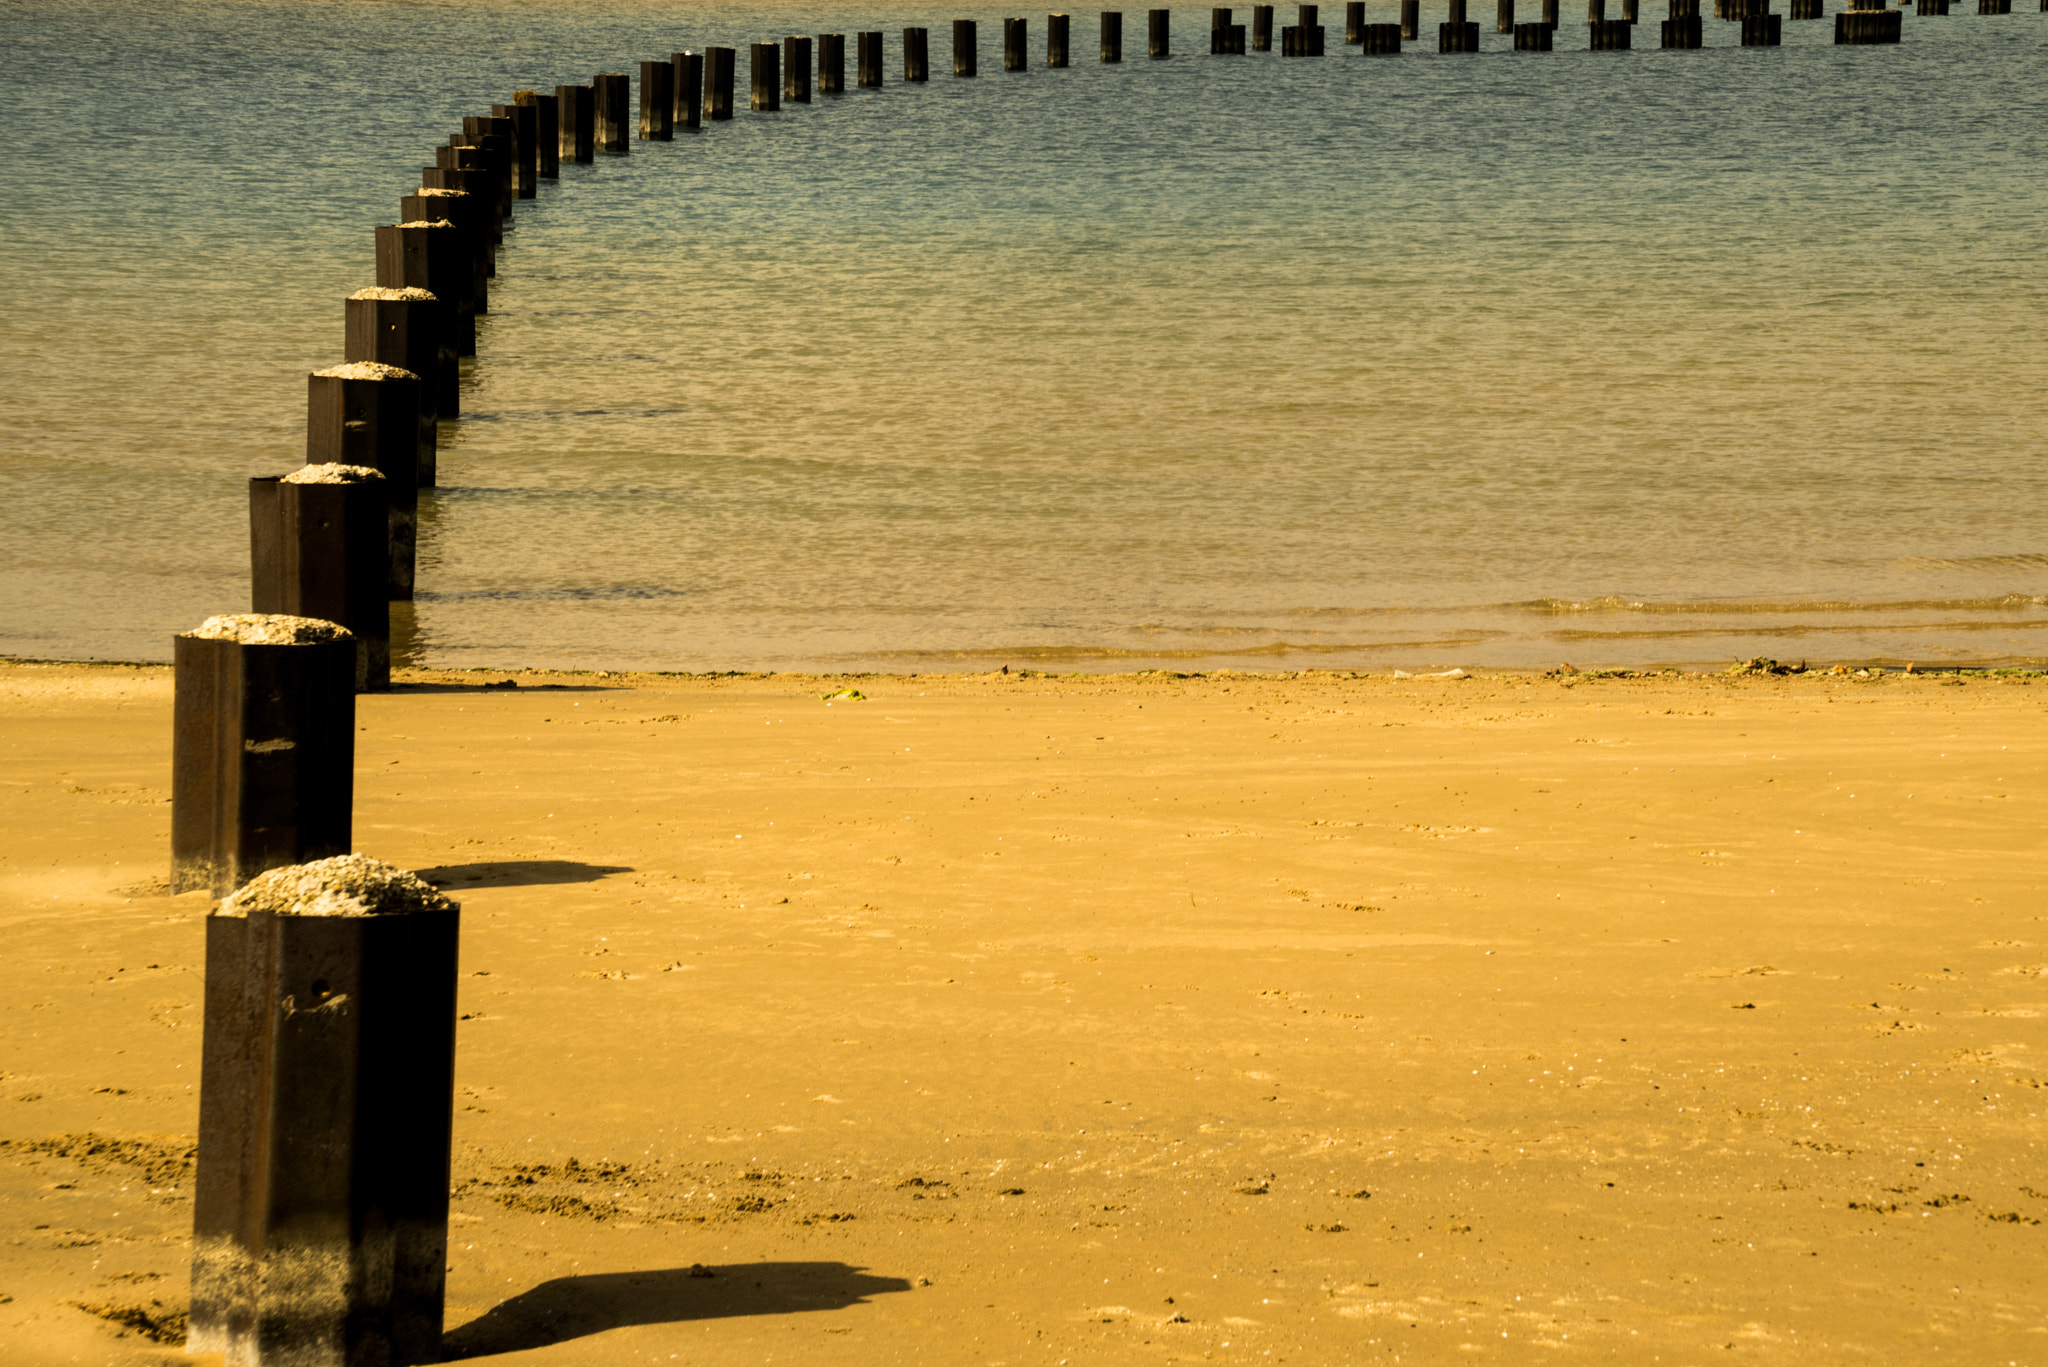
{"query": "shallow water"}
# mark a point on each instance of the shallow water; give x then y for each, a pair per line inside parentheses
(1617, 358)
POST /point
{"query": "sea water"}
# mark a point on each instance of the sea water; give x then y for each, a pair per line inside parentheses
(1620, 358)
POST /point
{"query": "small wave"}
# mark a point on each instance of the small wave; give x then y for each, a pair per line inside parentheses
(567, 414)
(1199, 630)
(565, 594)
(1273, 650)
(1794, 630)
(1568, 607)
(1977, 562)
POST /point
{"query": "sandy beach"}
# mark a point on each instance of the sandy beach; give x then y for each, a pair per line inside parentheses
(1034, 1020)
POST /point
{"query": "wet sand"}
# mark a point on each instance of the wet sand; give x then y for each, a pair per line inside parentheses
(1131, 1019)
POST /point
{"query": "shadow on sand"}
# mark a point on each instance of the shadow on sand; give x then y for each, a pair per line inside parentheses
(513, 873)
(573, 1307)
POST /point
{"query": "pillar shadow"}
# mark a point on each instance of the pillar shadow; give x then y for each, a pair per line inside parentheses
(513, 873)
(576, 1307)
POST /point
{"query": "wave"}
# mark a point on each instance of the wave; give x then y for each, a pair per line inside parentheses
(1798, 629)
(1055, 654)
(592, 594)
(1605, 604)
(1563, 607)
(1977, 562)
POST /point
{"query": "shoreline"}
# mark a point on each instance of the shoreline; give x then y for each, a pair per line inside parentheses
(2002, 667)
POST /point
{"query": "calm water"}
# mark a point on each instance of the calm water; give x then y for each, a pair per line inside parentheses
(1609, 357)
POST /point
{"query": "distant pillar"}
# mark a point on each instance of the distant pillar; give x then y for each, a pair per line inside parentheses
(1354, 22)
(462, 198)
(577, 107)
(1262, 28)
(525, 151)
(796, 69)
(767, 77)
(1457, 35)
(613, 94)
(547, 132)
(494, 136)
(364, 413)
(869, 47)
(1158, 38)
(402, 327)
(964, 48)
(657, 101)
(719, 63)
(1112, 35)
(831, 64)
(458, 169)
(1683, 29)
(263, 723)
(318, 548)
(1015, 42)
(917, 66)
(1056, 40)
(1411, 19)
(326, 1101)
(689, 85)
(1504, 21)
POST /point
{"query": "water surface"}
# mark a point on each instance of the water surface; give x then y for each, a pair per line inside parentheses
(1617, 358)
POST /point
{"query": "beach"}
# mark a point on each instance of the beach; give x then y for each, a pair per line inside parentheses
(1128, 1018)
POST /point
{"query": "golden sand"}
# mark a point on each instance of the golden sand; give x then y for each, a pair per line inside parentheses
(1134, 1019)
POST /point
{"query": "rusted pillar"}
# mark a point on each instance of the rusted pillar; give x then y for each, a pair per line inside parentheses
(525, 125)
(576, 105)
(432, 255)
(402, 327)
(657, 101)
(318, 548)
(364, 413)
(612, 98)
(262, 748)
(718, 78)
(547, 132)
(796, 69)
(689, 83)
(326, 1099)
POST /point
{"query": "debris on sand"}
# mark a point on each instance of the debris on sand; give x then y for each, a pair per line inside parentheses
(1761, 665)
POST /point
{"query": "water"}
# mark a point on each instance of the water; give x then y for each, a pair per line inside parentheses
(1616, 358)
